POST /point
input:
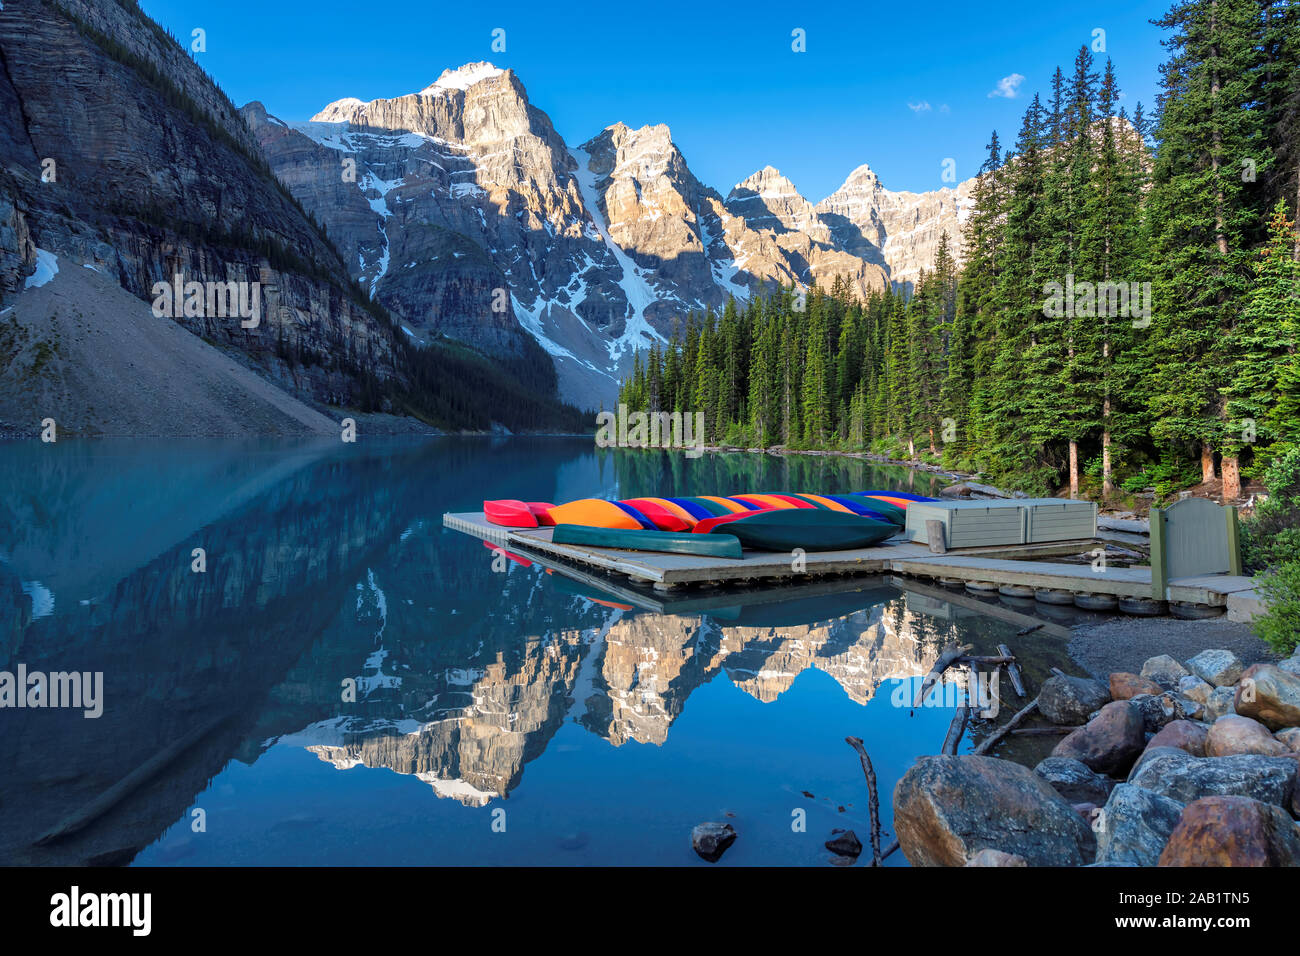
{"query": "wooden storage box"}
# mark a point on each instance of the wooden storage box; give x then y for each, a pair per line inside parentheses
(1058, 519)
(968, 524)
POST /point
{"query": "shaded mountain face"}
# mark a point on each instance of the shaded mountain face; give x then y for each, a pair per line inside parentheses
(467, 215)
(120, 153)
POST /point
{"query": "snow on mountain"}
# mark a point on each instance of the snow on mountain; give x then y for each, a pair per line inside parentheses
(467, 215)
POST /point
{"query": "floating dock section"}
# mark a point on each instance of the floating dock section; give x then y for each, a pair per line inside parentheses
(1013, 569)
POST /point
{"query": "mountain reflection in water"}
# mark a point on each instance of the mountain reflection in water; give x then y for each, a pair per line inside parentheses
(363, 688)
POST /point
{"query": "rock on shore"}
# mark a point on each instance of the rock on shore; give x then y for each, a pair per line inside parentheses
(948, 808)
(1211, 750)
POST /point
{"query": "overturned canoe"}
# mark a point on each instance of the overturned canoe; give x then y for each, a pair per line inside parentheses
(811, 529)
(876, 508)
(705, 545)
(509, 513)
(666, 515)
(541, 511)
(596, 512)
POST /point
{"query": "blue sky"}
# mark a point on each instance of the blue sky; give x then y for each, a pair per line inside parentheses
(726, 80)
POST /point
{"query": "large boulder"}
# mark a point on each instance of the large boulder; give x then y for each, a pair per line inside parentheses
(1291, 737)
(1075, 781)
(1193, 688)
(1189, 735)
(1161, 709)
(1164, 670)
(1270, 695)
(1222, 701)
(991, 857)
(1124, 685)
(1231, 734)
(1220, 668)
(948, 808)
(1069, 700)
(1134, 826)
(1179, 776)
(1233, 831)
(1109, 742)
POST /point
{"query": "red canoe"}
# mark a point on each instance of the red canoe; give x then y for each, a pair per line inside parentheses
(542, 512)
(509, 513)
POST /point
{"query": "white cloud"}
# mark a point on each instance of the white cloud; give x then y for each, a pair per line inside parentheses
(921, 107)
(1008, 87)
(944, 108)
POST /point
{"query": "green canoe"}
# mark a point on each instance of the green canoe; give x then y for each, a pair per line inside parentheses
(706, 545)
(806, 528)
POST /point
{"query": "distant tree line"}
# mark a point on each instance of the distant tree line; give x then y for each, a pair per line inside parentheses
(1126, 315)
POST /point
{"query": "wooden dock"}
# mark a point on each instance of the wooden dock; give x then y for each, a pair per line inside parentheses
(1024, 565)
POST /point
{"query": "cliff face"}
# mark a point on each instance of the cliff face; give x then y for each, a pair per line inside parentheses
(121, 153)
(904, 228)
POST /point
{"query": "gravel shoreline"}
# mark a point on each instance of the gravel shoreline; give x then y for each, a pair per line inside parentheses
(1123, 644)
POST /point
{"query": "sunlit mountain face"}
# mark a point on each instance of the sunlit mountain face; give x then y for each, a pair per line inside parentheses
(346, 681)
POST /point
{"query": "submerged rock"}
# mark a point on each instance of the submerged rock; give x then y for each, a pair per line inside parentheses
(1270, 695)
(948, 808)
(1075, 780)
(845, 844)
(1233, 831)
(1219, 667)
(711, 840)
(1180, 776)
(1232, 734)
(1135, 825)
(1069, 700)
(1110, 742)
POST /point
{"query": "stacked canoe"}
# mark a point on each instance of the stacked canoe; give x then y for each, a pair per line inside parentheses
(716, 526)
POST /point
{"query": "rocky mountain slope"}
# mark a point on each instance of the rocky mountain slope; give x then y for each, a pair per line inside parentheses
(465, 213)
(121, 153)
(68, 340)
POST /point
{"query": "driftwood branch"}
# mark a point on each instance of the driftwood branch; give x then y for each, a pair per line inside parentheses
(941, 664)
(991, 659)
(1013, 671)
(873, 798)
(1006, 728)
(955, 730)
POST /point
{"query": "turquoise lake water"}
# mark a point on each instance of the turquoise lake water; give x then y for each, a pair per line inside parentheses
(346, 682)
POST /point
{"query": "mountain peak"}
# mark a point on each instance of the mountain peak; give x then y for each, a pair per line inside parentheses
(767, 183)
(862, 175)
(461, 78)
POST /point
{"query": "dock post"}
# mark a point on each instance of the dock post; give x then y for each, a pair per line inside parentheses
(1234, 541)
(1159, 563)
